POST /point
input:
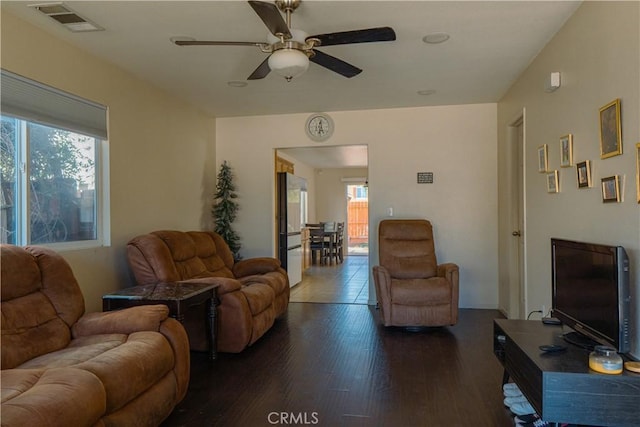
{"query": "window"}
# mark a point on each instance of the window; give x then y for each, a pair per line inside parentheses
(52, 179)
(358, 192)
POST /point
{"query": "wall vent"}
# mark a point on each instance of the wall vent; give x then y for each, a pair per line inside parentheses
(67, 17)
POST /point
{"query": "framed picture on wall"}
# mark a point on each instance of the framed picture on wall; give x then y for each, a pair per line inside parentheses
(552, 182)
(611, 189)
(543, 159)
(566, 151)
(583, 170)
(610, 130)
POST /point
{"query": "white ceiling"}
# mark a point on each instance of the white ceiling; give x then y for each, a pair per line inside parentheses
(490, 46)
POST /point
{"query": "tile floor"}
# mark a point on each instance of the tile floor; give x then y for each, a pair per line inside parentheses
(346, 283)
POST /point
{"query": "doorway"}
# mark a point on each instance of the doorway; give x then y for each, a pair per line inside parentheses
(358, 219)
(329, 171)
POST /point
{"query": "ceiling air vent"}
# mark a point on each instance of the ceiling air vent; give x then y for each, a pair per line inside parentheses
(67, 17)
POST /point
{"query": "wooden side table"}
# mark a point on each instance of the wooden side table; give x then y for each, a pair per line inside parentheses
(183, 300)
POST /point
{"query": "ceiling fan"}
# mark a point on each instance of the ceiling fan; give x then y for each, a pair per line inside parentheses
(291, 49)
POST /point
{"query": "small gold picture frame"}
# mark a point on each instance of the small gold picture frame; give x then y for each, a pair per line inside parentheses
(611, 189)
(583, 170)
(543, 159)
(566, 151)
(552, 182)
(610, 130)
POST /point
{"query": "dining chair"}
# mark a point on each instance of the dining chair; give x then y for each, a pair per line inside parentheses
(340, 241)
(336, 243)
(332, 233)
(318, 244)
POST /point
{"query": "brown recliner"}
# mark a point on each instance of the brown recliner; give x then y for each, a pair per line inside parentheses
(412, 289)
(252, 292)
(62, 367)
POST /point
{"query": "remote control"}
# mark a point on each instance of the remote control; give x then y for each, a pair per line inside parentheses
(552, 348)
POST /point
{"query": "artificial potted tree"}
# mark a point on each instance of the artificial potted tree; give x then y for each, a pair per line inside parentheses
(225, 209)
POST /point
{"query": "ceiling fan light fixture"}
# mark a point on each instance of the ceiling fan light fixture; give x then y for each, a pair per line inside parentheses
(290, 50)
(288, 63)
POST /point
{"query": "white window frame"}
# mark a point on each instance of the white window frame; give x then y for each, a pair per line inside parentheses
(99, 124)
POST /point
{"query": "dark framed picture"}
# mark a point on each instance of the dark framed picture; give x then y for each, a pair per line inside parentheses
(552, 182)
(543, 159)
(583, 170)
(610, 130)
(611, 189)
(566, 151)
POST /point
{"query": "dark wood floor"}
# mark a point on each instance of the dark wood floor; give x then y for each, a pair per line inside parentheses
(335, 365)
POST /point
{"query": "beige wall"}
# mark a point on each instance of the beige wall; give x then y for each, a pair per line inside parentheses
(457, 143)
(331, 192)
(598, 55)
(162, 153)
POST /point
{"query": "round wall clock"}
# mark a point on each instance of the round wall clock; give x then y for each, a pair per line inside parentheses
(319, 127)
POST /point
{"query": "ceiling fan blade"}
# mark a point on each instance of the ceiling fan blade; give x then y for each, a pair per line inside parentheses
(217, 43)
(334, 64)
(261, 72)
(381, 34)
(271, 17)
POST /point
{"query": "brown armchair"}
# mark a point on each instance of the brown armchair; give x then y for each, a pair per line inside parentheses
(412, 289)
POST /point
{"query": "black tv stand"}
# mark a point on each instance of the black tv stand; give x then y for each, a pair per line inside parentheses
(560, 386)
(579, 340)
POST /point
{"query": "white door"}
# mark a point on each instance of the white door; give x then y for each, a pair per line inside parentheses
(517, 291)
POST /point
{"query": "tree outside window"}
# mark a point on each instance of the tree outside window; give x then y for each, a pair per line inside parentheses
(59, 183)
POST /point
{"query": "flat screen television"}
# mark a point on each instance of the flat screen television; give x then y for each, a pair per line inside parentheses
(590, 292)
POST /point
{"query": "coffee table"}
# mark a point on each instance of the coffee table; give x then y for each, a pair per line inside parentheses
(192, 304)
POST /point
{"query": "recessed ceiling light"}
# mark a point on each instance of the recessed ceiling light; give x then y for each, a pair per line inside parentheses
(237, 83)
(426, 92)
(436, 38)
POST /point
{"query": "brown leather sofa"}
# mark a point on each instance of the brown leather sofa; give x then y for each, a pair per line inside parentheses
(252, 292)
(62, 367)
(412, 288)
